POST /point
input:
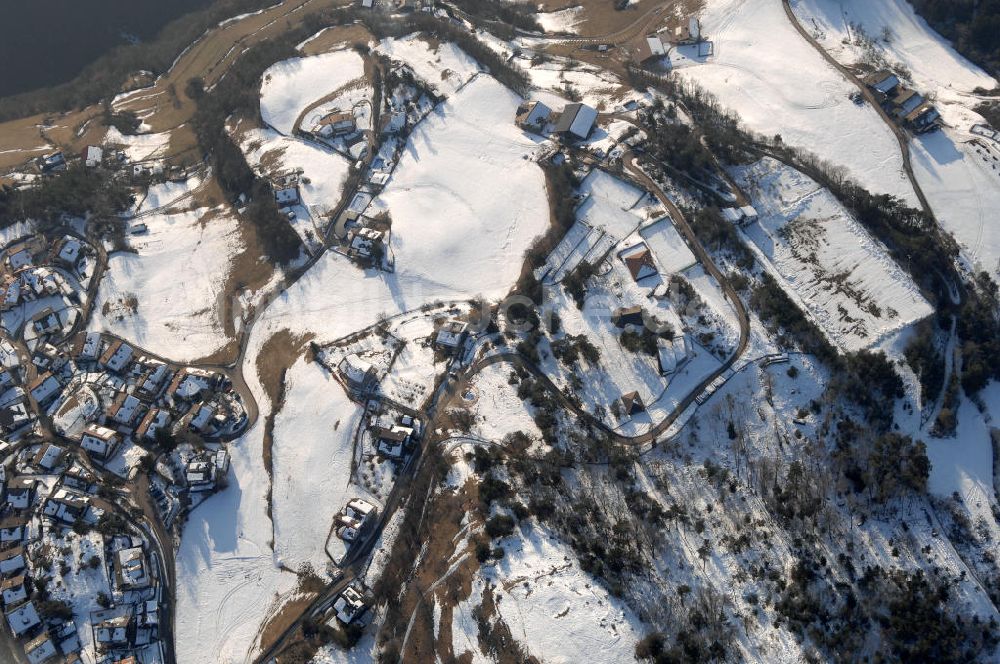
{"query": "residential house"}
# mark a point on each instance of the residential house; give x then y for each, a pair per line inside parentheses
(151, 381)
(353, 519)
(632, 404)
(188, 384)
(67, 251)
(649, 49)
(131, 569)
(87, 346)
(124, 409)
(576, 121)
(23, 618)
(287, 196)
(111, 628)
(392, 442)
(687, 33)
(52, 163)
(14, 416)
(200, 417)
(66, 506)
(625, 316)
(44, 388)
(335, 124)
(13, 530)
(883, 81)
(13, 590)
(349, 605)
(92, 156)
(358, 373)
(100, 442)
(21, 492)
(533, 116)
(40, 649)
(116, 356)
(12, 561)
(672, 354)
(49, 457)
(451, 334)
(153, 420)
(639, 261)
(365, 242)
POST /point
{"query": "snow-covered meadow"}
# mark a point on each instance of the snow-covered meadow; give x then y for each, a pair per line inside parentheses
(165, 297)
(765, 72)
(842, 277)
(291, 86)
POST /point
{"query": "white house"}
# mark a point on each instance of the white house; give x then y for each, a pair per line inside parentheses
(40, 649)
(100, 441)
(12, 560)
(13, 591)
(92, 156)
(23, 618)
(44, 387)
(576, 121)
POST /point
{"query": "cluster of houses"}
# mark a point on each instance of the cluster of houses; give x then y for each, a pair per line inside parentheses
(351, 606)
(652, 47)
(909, 107)
(575, 122)
(396, 440)
(355, 519)
(39, 284)
(90, 156)
(50, 494)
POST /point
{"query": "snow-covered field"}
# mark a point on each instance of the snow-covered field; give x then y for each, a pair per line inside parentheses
(291, 86)
(314, 429)
(175, 280)
(842, 276)
(855, 31)
(270, 153)
(139, 147)
(553, 608)
(562, 20)
(444, 67)
(452, 236)
(764, 71)
(962, 181)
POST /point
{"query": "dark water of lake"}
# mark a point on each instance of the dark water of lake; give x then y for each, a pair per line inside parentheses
(46, 42)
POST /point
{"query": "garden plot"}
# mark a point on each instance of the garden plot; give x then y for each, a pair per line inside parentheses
(890, 34)
(289, 87)
(554, 609)
(314, 429)
(842, 277)
(165, 296)
(443, 66)
(808, 104)
(962, 181)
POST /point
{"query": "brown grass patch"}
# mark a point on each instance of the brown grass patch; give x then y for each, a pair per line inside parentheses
(338, 37)
(283, 618)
